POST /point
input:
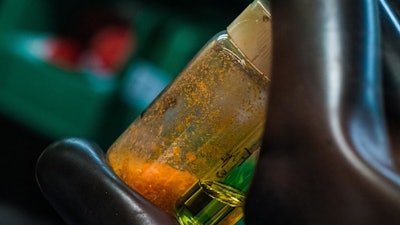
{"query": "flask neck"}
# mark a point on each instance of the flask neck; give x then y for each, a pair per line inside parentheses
(251, 32)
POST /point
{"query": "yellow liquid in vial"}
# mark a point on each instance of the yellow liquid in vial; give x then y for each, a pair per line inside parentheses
(209, 203)
(223, 193)
(213, 202)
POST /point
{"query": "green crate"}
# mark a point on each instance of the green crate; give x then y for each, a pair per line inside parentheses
(24, 14)
(53, 101)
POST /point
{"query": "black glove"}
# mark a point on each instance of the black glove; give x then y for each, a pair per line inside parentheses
(331, 146)
(74, 176)
(330, 152)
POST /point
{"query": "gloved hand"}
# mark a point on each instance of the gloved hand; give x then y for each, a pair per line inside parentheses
(74, 176)
(330, 152)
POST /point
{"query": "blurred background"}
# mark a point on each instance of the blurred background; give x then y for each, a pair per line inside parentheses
(86, 68)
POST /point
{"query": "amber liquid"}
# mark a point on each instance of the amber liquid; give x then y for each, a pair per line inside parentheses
(217, 202)
(207, 203)
(196, 128)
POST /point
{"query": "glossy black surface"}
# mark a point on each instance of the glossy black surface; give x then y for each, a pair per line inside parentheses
(76, 180)
(390, 20)
(326, 156)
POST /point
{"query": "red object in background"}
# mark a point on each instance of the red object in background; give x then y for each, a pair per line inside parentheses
(109, 49)
(63, 52)
(106, 53)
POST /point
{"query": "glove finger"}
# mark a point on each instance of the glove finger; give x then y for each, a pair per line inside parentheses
(75, 178)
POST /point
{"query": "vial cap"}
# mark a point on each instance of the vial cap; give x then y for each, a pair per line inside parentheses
(251, 32)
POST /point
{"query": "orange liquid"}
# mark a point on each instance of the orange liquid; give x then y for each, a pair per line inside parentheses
(160, 183)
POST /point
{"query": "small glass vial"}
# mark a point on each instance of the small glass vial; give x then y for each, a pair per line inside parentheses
(217, 201)
(204, 125)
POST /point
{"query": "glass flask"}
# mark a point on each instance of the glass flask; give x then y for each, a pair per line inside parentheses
(203, 126)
